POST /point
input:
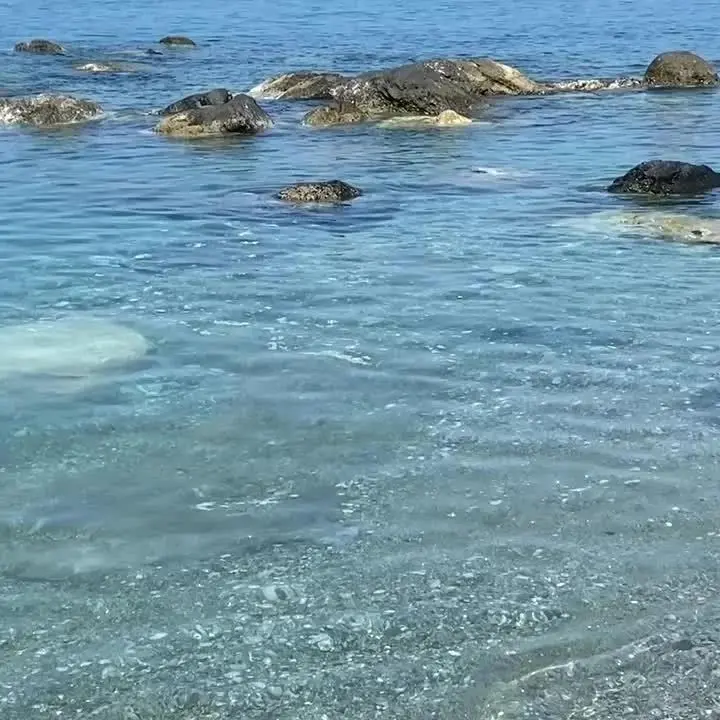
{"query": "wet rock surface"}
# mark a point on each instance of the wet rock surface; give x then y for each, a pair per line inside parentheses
(40, 47)
(47, 110)
(219, 96)
(334, 191)
(666, 177)
(241, 115)
(177, 40)
(299, 86)
(680, 69)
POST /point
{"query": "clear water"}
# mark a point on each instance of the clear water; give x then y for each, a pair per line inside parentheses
(387, 460)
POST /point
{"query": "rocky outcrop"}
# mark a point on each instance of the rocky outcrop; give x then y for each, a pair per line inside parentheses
(40, 47)
(334, 191)
(680, 69)
(422, 89)
(219, 96)
(177, 40)
(241, 115)
(47, 110)
(299, 86)
(447, 118)
(666, 177)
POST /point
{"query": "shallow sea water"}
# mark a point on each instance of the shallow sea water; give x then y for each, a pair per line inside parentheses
(448, 452)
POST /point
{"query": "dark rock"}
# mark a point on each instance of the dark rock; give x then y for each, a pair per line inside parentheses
(40, 47)
(680, 69)
(177, 40)
(666, 177)
(299, 86)
(218, 96)
(47, 110)
(334, 191)
(240, 115)
(424, 88)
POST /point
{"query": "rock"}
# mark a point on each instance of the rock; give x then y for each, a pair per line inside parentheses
(298, 86)
(666, 177)
(676, 228)
(69, 348)
(334, 191)
(447, 118)
(45, 110)
(40, 47)
(680, 69)
(334, 114)
(422, 89)
(151, 51)
(218, 96)
(241, 115)
(178, 40)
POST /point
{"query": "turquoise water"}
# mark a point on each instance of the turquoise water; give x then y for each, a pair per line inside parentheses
(380, 461)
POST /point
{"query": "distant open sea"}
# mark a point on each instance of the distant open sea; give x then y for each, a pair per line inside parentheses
(450, 451)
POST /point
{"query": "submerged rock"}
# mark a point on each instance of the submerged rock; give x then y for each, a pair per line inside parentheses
(334, 191)
(67, 348)
(178, 40)
(241, 115)
(680, 69)
(299, 86)
(219, 96)
(47, 110)
(422, 89)
(666, 177)
(40, 47)
(447, 118)
(678, 228)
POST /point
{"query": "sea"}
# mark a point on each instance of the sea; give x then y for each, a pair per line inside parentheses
(449, 451)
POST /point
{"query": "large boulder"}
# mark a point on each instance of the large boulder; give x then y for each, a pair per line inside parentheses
(47, 110)
(219, 96)
(334, 191)
(423, 89)
(666, 177)
(299, 86)
(177, 41)
(680, 69)
(241, 115)
(40, 47)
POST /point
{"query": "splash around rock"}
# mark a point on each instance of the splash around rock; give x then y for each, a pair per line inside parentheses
(299, 86)
(40, 47)
(680, 69)
(666, 177)
(47, 110)
(334, 191)
(240, 115)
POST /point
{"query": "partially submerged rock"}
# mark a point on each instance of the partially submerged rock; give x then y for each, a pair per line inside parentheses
(678, 228)
(40, 47)
(47, 110)
(334, 191)
(666, 177)
(177, 40)
(219, 96)
(241, 115)
(680, 69)
(299, 86)
(422, 89)
(447, 118)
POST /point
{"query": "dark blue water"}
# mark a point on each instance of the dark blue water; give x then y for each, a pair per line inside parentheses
(451, 451)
